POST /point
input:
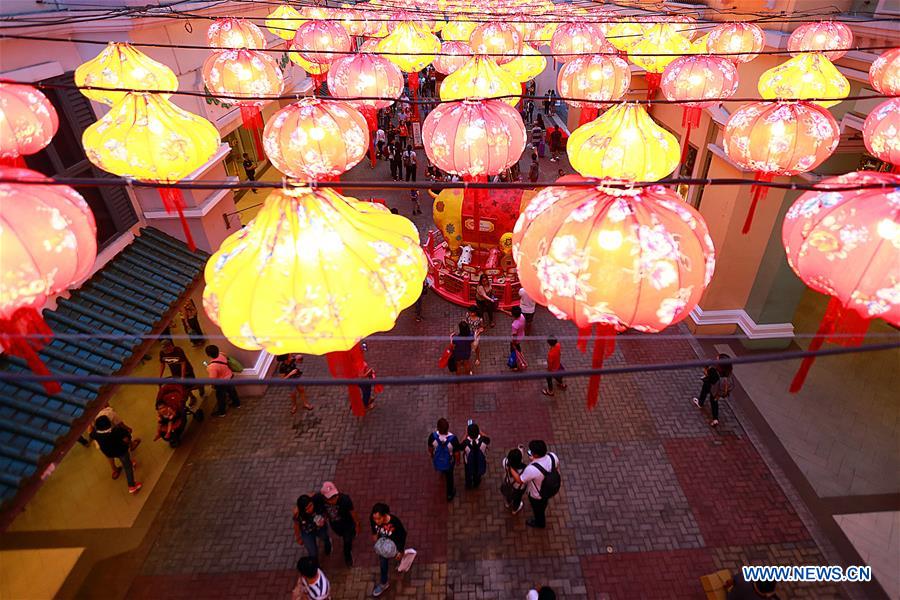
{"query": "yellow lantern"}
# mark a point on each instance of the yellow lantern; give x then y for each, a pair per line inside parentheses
(699, 46)
(808, 75)
(480, 77)
(314, 272)
(623, 143)
(660, 38)
(409, 37)
(625, 34)
(527, 66)
(284, 21)
(122, 66)
(458, 31)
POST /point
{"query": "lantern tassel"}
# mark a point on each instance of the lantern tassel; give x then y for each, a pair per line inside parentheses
(349, 364)
(371, 115)
(758, 193)
(604, 346)
(653, 80)
(253, 122)
(690, 118)
(23, 334)
(16, 162)
(584, 335)
(826, 327)
(412, 80)
(896, 169)
(317, 80)
(588, 114)
(852, 328)
(173, 201)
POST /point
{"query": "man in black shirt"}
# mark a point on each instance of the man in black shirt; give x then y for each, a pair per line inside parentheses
(115, 442)
(387, 526)
(249, 168)
(179, 366)
(341, 515)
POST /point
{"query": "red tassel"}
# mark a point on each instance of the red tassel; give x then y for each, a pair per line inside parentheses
(758, 192)
(173, 201)
(413, 82)
(826, 327)
(690, 117)
(584, 334)
(317, 80)
(253, 122)
(896, 169)
(26, 321)
(16, 162)
(653, 80)
(371, 115)
(604, 346)
(588, 114)
(852, 327)
(349, 364)
(333, 178)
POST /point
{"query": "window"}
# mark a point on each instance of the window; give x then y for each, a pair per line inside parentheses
(65, 157)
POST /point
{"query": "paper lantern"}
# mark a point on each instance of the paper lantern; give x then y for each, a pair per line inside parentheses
(570, 40)
(881, 132)
(779, 138)
(479, 78)
(284, 21)
(316, 139)
(321, 41)
(805, 76)
(232, 34)
(500, 40)
(596, 77)
(122, 66)
(623, 143)
(360, 75)
(845, 244)
(148, 138)
(527, 66)
(354, 21)
(709, 79)
(625, 34)
(738, 41)
(453, 56)
(458, 31)
(884, 74)
(638, 258)
(699, 46)
(28, 122)
(830, 37)
(409, 37)
(660, 45)
(540, 34)
(48, 241)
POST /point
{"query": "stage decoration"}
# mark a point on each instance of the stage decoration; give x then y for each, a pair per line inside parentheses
(739, 42)
(321, 42)
(234, 34)
(617, 259)
(623, 143)
(458, 31)
(424, 46)
(845, 244)
(659, 45)
(500, 40)
(710, 79)
(315, 272)
(884, 74)
(881, 132)
(284, 21)
(570, 40)
(778, 138)
(48, 241)
(596, 77)
(480, 78)
(527, 66)
(234, 75)
(803, 77)
(453, 56)
(147, 137)
(830, 37)
(121, 65)
(316, 139)
(28, 123)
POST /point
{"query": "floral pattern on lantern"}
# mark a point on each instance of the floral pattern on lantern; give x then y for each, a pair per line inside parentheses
(884, 74)
(321, 42)
(527, 66)
(500, 40)
(284, 21)
(474, 137)
(480, 77)
(28, 121)
(232, 34)
(805, 76)
(597, 77)
(881, 132)
(316, 139)
(453, 56)
(314, 273)
(659, 45)
(458, 31)
(739, 42)
(830, 37)
(624, 34)
(120, 65)
(359, 75)
(570, 40)
(239, 74)
(354, 21)
(623, 143)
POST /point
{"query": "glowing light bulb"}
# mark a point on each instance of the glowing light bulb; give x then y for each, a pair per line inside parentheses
(609, 239)
(889, 230)
(316, 133)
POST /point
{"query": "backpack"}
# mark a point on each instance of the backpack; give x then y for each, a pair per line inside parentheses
(233, 364)
(552, 481)
(407, 159)
(723, 387)
(476, 456)
(443, 458)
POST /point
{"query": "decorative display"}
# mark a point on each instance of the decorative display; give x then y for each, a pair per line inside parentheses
(423, 46)
(804, 77)
(830, 37)
(625, 34)
(321, 42)
(597, 77)
(881, 132)
(122, 66)
(480, 78)
(453, 56)
(527, 66)
(500, 40)
(234, 34)
(284, 21)
(659, 45)
(458, 31)
(28, 123)
(570, 40)
(739, 41)
(884, 74)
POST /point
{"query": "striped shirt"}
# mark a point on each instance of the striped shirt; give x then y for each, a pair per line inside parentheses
(320, 590)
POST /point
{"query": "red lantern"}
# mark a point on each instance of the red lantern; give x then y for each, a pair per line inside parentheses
(845, 244)
(885, 73)
(740, 42)
(237, 74)
(48, 241)
(779, 138)
(570, 40)
(453, 56)
(638, 258)
(881, 132)
(830, 37)
(500, 40)
(710, 79)
(596, 77)
(27, 122)
(321, 42)
(231, 33)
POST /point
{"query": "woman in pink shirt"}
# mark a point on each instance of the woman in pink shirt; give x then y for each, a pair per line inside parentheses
(218, 368)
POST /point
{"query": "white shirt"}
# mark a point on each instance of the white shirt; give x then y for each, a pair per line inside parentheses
(534, 478)
(320, 590)
(532, 595)
(525, 302)
(379, 136)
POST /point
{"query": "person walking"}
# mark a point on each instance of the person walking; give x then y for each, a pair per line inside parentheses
(529, 110)
(473, 449)
(402, 133)
(414, 197)
(191, 323)
(710, 377)
(312, 583)
(528, 307)
(180, 367)
(341, 516)
(115, 443)
(289, 368)
(389, 536)
(534, 170)
(218, 368)
(554, 365)
(512, 488)
(537, 136)
(443, 447)
(476, 326)
(462, 341)
(485, 300)
(311, 525)
(410, 163)
(548, 102)
(249, 169)
(555, 136)
(367, 389)
(721, 389)
(393, 161)
(542, 479)
(380, 141)
(517, 332)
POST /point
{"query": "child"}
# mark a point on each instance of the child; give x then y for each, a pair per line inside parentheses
(554, 357)
(473, 450)
(414, 196)
(289, 368)
(312, 584)
(512, 488)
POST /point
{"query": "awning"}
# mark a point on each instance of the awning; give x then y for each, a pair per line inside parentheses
(134, 296)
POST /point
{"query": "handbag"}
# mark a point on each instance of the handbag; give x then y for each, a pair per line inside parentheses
(444, 360)
(511, 361)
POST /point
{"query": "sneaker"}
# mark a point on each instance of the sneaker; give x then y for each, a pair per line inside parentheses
(380, 588)
(519, 508)
(409, 556)
(696, 402)
(547, 392)
(714, 423)
(134, 489)
(116, 472)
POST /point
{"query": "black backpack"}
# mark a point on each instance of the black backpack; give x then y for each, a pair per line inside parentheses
(476, 456)
(552, 481)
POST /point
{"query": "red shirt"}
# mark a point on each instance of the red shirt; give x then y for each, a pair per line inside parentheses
(553, 357)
